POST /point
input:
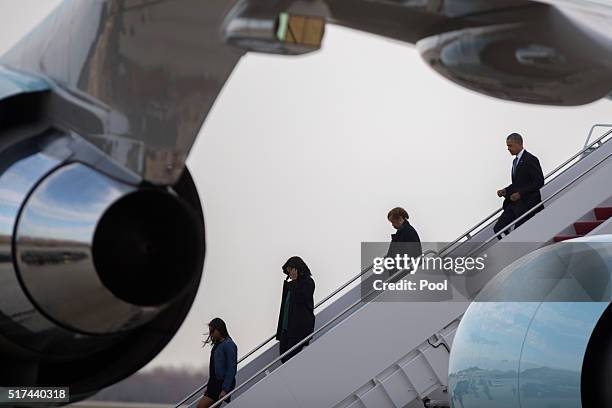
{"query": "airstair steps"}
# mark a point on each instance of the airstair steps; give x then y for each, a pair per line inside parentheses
(414, 376)
(403, 380)
(560, 238)
(582, 228)
(603, 213)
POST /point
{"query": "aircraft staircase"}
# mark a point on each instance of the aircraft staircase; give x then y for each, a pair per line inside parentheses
(380, 354)
(582, 228)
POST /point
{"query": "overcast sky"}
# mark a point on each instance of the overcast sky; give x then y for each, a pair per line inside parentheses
(305, 156)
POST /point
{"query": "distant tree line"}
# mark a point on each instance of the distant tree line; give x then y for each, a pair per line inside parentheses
(160, 385)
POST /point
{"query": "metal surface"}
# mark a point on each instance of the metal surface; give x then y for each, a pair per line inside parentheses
(54, 251)
(352, 308)
(530, 354)
(265, 371)
(58, 322)
(420, 374)
(22, 325)
(148, 71)
(14, 83)
(292, 369)
(273, 337)
(15, 184)
(554, 52)
(315, 357)
(598, 125)
(601, 7)
(138, 78)
(445, 250)
(257, 26)
(541, 57)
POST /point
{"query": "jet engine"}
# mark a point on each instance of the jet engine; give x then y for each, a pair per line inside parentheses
(98, 268)
(539, 334)
(536, 55)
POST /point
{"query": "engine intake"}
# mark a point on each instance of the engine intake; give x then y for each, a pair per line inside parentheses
(97, 270)
(100, 256)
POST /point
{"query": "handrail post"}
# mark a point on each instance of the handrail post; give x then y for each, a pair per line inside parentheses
(586, 142)
(468, 234)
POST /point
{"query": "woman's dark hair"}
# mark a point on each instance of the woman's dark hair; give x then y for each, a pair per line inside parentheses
(397, 212)
(216, 324)
(297, 263)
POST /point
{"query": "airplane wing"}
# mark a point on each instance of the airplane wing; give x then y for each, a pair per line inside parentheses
(137, 78)
(101, 104)
(598, 7)
(543, 52)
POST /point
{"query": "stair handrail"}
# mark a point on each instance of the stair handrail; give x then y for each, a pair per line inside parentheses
(361, 301)
(549, 177)
(395, 276)
(468, 234)
(535, 207)
(586, 142)
(269, 339)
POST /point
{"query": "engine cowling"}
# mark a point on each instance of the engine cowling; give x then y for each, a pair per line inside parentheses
(537, 55)
(538, 335)
(96, 273)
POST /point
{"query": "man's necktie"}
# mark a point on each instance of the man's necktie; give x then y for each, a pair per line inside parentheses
(514, 163)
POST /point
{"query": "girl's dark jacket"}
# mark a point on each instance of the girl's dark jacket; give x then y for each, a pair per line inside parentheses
(225, 359)
(301, 308)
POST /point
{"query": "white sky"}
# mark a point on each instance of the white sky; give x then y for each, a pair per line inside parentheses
(305, 156)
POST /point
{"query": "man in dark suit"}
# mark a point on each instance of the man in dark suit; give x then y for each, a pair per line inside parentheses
(524, 192)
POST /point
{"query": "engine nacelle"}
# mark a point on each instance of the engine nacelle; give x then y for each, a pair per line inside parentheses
(538, 55)
(540, 333)
(96, 273)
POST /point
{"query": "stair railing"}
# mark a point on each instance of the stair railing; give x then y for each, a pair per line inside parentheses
(589, 147)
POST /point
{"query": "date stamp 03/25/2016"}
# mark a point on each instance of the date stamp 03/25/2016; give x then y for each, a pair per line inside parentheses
(17, 395)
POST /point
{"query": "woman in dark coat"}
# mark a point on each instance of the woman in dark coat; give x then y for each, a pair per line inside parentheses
(406, 240)
(296, 318)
